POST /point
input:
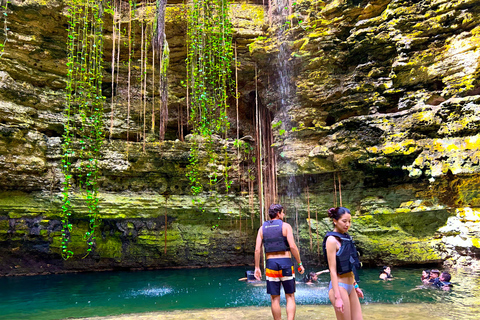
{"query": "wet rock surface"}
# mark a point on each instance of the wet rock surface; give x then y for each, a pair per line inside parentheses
(384, 94)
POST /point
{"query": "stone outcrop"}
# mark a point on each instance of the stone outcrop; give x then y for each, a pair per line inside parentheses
(384, 94)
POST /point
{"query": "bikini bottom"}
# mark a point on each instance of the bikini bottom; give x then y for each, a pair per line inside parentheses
(346, 286)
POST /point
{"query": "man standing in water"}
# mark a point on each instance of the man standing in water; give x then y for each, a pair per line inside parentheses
(277, 239)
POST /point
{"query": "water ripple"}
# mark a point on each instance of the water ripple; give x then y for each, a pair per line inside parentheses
(152, 292)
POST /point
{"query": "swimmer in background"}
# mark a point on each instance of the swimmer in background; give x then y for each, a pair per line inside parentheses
(434, 274)
(429, 279)
(249, 276)
(425, 276)
(443, 282)
(312, 277)
(385, 274)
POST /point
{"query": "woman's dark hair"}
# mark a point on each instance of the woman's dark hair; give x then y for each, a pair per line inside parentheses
(274, 210)
(309, 277)
(383, 269)
(336, 213)
(428, 274)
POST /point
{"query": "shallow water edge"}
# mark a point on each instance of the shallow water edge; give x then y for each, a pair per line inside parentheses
(406, 311)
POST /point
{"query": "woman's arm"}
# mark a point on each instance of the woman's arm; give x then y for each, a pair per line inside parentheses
(358, 290)
(323, 271)
(331, 246)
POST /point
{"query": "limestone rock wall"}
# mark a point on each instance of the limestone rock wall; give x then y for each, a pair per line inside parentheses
(385, 94)
(148, 218)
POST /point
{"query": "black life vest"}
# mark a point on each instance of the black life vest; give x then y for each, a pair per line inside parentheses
(439, 283)
(347, 256)
(273, 239)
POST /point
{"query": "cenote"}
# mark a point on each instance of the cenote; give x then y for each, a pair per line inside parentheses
(112, 293)
(153, 135)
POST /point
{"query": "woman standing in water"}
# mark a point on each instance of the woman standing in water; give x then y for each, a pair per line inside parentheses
(342, 259)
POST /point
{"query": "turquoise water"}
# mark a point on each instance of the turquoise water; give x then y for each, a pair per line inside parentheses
(113, 293)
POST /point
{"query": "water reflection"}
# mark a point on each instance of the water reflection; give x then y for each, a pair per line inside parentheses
(113, 293)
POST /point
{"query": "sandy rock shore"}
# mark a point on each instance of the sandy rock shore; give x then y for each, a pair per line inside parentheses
(322, 312)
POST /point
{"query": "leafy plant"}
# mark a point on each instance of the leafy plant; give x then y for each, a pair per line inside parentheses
(83, 128)
(209, 58)
(4, 14)
(276, 124)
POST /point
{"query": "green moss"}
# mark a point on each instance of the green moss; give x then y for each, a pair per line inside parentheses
(20, 205)
(400, 248)
(77, 242)
(4, 228)
(418, 223)
(175, 14)
(255, 13)
(4, 225)
(110, 247)
(36, 2)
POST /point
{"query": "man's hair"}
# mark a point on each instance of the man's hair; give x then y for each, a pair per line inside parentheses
(274, 210)
(446, 276)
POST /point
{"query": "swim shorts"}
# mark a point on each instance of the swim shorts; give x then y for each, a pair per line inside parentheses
(280, 272)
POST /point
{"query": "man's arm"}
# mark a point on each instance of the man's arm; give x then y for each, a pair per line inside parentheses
(258, 250)
(293, 247)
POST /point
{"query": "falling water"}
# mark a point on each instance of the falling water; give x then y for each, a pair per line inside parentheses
(279, 11)
(279, 14)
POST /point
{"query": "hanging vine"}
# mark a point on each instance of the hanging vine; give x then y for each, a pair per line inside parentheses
(115, 17)
(131, 14)
(309, 220)
(83, 134)
(83, 129)
(4, 13)
(209, 59)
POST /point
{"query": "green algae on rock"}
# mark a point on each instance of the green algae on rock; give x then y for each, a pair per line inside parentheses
(386, 94)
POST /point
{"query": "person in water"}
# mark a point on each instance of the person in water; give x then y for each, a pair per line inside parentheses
(342, 260)
(434, 274)
(312, 277)
(386, 273)
(276, 237)
(443, 281)
(249, 276)
(425, 276)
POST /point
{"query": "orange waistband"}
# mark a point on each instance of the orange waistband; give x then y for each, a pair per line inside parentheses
(346, 275)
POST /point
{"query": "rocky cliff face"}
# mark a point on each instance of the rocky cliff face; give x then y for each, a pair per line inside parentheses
(383, 95)
(386, 94)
